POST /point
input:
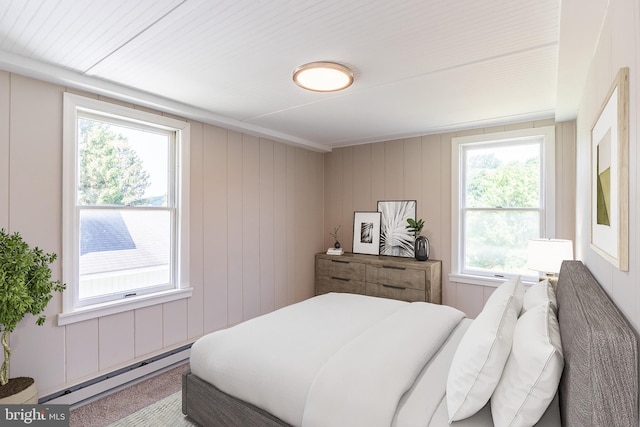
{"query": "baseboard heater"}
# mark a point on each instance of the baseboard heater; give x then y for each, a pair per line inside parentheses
(88, 390)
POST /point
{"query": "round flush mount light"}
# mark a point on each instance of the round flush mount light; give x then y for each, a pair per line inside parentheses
(323, 76)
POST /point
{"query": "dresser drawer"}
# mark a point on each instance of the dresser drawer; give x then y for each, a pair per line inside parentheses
(341, 269)
(395, 292)
(380, 276)
(326, 284)
(384, 274)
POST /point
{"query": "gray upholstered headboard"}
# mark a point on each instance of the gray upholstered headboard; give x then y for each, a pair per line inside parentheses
(599, 385)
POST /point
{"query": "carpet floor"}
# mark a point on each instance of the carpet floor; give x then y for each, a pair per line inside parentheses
(130, 400)
(165, 413)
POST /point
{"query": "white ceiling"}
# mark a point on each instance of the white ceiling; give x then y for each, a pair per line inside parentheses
(421, 66)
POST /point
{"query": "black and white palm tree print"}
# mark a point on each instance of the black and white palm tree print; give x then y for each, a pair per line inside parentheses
(395, 239)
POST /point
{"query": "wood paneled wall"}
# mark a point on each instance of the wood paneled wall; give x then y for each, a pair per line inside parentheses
(618, 47)
(420, 169)
(256, 223)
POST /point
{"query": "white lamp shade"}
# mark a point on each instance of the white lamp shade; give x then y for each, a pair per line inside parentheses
(546, 255)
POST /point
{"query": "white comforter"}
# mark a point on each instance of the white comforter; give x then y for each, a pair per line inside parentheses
(333, 360)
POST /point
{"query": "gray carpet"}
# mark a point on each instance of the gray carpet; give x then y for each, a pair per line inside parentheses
(165, 413)
(123, 403)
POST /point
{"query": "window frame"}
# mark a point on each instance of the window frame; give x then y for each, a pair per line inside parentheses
(74, 107)
(547, 219)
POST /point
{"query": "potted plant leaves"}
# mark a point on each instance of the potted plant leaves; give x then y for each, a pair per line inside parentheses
(421, 243)
(25, 288)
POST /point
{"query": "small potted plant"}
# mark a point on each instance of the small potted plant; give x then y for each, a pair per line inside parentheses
(25, 288)
(421, 243)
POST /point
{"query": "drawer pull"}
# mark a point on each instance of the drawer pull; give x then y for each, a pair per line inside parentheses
(393, 267)
(341, 278)
(339, 261)
(402, 288)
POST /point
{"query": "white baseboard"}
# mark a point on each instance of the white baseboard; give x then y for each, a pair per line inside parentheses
(85, 394)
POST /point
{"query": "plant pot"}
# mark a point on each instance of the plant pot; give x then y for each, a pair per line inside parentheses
(421, 248)
(19, 391)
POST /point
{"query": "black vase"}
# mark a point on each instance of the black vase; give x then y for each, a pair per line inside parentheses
(421, 247)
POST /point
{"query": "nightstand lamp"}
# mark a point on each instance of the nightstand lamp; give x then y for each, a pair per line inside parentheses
(546, 256)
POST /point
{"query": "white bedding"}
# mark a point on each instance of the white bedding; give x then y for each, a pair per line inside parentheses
(340, 359)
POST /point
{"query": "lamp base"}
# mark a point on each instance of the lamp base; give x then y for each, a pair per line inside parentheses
(552, 278)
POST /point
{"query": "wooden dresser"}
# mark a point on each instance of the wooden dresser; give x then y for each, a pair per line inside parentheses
(381, 276)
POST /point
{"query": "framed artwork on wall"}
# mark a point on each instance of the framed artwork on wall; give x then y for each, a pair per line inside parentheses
(366, 233)
(395, 239)
(610, 175)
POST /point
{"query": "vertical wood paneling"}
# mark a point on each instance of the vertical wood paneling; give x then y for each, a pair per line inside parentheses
(290, 214)
(302, 225)
(235, 180)
(362, 179)
(313, 229)
(335, 213)
(196, 250)
(470, 299)
(81, 349)
(5, 100)
(413, 170)
(174, 322)
(379, 177)
(215, 228)
(280, 252)
(35, 173)
(566, 180)
(317, 203)
(560, 176)
(618, 46)
(420, 169)
(267, 227)
(347, 194)
(442, 249)
(148, 330)
(431, 206)
(393, 171)
(116, 339)
(250, 226)
(235, 228)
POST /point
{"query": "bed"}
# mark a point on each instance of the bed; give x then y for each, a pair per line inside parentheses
(355, 360)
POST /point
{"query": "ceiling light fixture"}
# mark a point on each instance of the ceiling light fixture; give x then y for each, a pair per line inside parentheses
(323, 76)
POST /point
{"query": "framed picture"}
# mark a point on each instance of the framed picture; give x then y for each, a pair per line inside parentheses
(610, 175)
(366, 233)
(395, 239)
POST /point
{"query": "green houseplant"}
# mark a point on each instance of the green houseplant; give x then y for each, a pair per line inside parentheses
(421, 243)
(414, 226)
(25, 288)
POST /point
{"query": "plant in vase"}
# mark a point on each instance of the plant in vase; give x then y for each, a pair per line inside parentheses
(25, 288)
(421, 243)
(335, 237)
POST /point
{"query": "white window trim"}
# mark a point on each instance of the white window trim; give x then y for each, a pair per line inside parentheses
(548, 189)
(70, 313)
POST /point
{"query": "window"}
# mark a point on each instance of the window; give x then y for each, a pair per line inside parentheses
(503, 195)
(125, 208)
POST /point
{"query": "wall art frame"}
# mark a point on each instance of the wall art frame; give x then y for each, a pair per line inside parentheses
(395, 239)
(610, 175)
(366, 233)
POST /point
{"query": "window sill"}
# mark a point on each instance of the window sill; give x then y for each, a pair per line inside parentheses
(484, 281)
(120, 306)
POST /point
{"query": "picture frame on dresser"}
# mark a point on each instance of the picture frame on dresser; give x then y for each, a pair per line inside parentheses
(395, 239)
(366, 233)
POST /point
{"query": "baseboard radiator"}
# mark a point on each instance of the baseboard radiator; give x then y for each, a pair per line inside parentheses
(113, 381)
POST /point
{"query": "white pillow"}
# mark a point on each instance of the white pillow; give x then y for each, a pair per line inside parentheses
(532, 374)
(483, 351)
(513, 287)
(540, 293)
